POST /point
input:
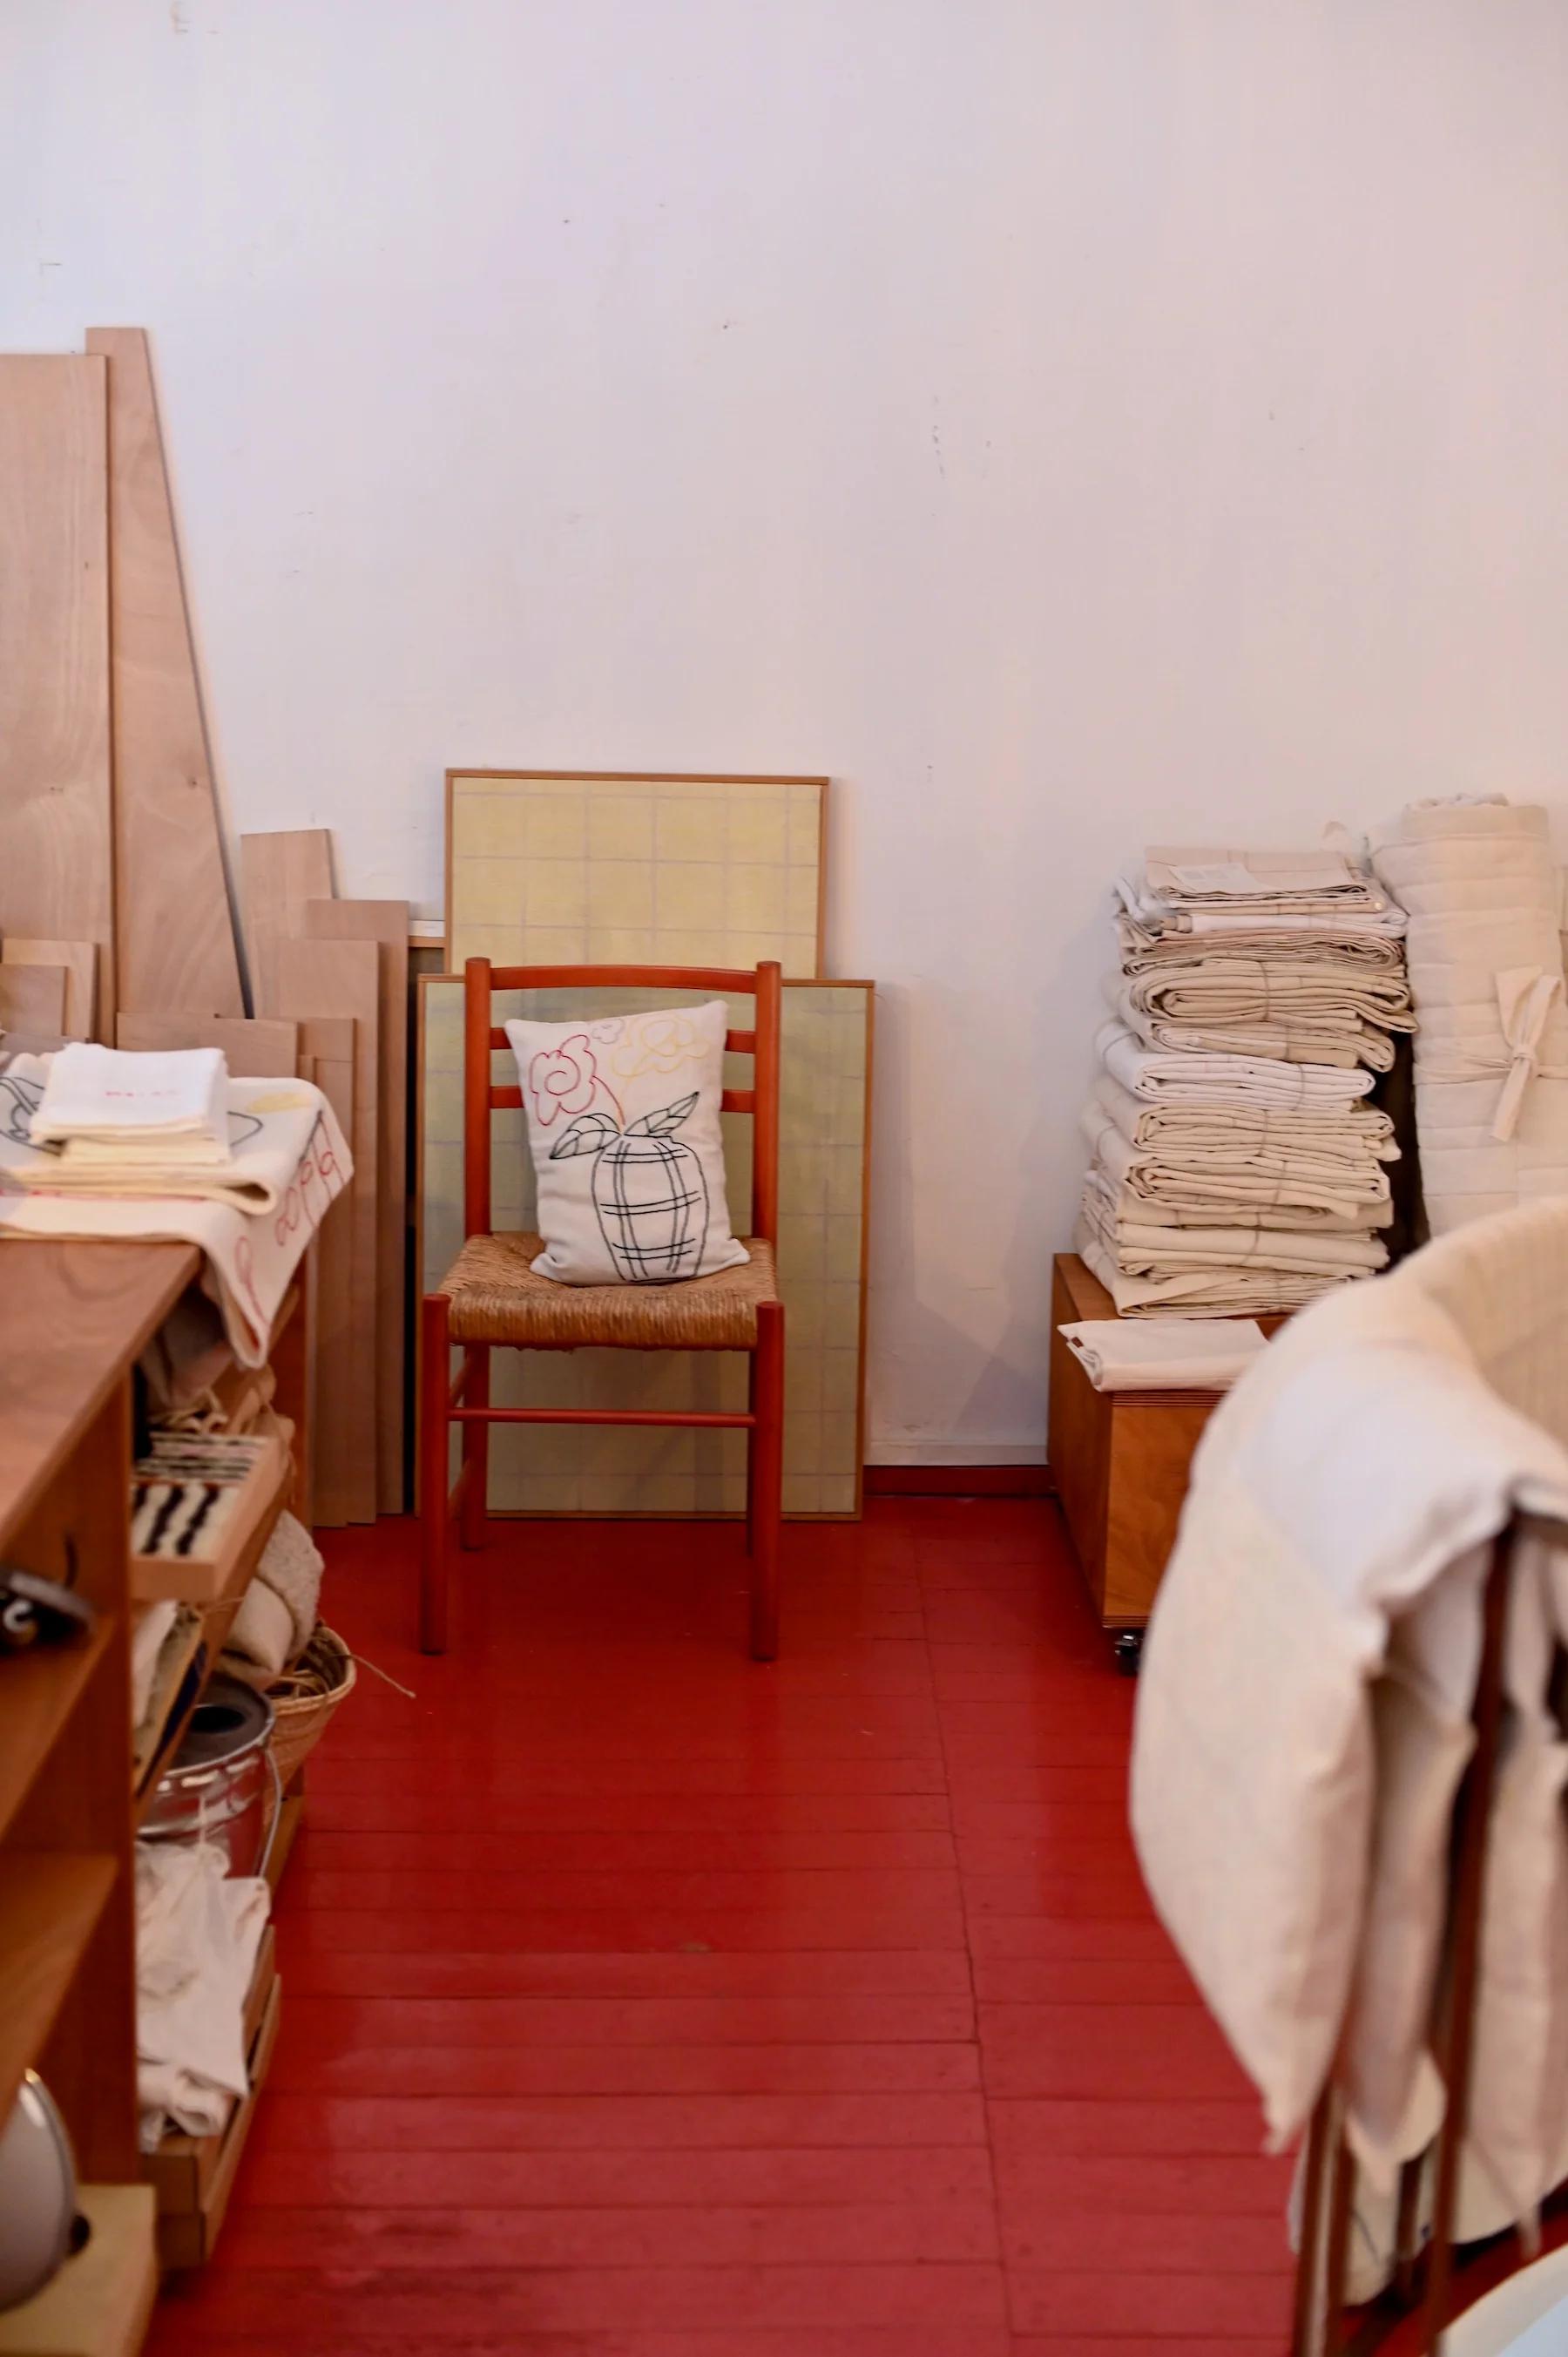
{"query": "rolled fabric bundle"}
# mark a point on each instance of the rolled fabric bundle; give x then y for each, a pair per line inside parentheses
(1481, 889)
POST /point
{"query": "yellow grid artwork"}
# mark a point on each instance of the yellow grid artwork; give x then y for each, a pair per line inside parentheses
(609, 870)
(823, 1160)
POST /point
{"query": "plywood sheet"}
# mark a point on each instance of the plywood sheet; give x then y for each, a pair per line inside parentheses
(824, 1163)
(56, 825)
(385, 922)
(278, 873)
(265, 1049)
(32, 998)
(175, 948)
(327, 1058)
(316, 978)
(79, 960)
(606, 870)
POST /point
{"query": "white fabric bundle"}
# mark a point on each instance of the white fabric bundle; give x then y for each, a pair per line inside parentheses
(1304, 1714)
(1482, 892)
(104, 1104)
(1177, 1354)
(1356, 1143)
(253, 1221)
(1263, 1191)
(198, 1931)
(278, 1611)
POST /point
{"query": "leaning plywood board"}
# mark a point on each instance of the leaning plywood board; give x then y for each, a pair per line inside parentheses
(620, 870)
(32, 997)
(174, 932)
(823, 1173)
(56, 825)
(79, 960)
(315, 978)
(385, 922)
(266, 1049)
(326, 1059)
(278, 873)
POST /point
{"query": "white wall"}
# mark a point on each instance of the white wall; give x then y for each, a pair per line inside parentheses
(1063, 421)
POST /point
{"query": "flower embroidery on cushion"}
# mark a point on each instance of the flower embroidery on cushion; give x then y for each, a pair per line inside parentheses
(657, 1043)
(563, 1078)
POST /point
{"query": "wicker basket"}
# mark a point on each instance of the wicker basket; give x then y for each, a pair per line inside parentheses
(306, 1697)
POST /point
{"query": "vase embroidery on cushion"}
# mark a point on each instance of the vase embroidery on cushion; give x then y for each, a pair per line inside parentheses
(650, 1194)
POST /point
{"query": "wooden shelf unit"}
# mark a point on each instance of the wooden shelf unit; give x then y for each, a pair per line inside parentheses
(74, 1319)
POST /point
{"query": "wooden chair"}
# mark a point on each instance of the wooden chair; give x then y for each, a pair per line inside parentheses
(491, 1298)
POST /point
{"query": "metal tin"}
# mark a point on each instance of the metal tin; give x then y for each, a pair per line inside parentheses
(217, 1785)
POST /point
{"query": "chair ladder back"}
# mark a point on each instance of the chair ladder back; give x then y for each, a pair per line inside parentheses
(477, 1096)
(481, 1038)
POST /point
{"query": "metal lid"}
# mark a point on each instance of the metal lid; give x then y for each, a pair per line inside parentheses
(230, 1718)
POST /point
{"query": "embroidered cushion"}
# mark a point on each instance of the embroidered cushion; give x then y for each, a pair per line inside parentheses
(623, 1124)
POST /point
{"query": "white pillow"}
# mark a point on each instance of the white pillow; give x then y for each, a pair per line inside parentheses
(623, 1124)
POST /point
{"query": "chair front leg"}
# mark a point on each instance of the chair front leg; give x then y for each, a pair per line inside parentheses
(477, 1449)
(435, 1383)
(767, 1479)
(751, 1366)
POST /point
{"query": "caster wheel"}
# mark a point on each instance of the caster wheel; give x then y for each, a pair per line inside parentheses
(1129, 1651)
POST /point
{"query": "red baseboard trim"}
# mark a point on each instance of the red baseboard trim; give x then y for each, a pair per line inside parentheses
(960, 1481)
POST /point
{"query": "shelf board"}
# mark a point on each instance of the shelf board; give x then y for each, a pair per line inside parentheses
(39, 1691)
(50, 1901)
(101, 2302)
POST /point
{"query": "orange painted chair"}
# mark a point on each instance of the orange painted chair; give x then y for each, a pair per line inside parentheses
(491, 1298)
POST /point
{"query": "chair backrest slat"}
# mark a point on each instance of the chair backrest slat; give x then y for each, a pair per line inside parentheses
(482, 1038)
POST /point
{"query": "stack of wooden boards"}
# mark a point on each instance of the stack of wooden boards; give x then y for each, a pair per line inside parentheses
(116, 918)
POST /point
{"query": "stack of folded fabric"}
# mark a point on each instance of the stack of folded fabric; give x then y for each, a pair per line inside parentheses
(157, 1115)
(1237, 1164)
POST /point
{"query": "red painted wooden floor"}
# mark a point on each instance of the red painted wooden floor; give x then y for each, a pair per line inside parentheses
(639, 2001)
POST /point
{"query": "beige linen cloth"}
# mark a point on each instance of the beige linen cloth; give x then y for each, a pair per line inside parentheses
(1482, 889)
(1251, 1012)
(1306, 883)
(1118, 1354)
(1184, 1077)
(1354, 1143)
(1304, 1704)
(1146, 1248)
(1213, 1291)
(1270, 1193)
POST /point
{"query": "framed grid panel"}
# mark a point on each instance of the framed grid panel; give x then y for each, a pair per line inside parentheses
(823, 1174)
(601, 869)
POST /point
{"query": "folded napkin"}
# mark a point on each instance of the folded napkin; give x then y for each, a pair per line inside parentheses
(1180, 1354)
(107, 1105)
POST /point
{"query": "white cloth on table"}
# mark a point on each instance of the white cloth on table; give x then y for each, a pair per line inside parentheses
(1303, 1706)
(251, 1255)
(106, 1104)
(1482, 891)
(1177, 1354)
(198, 1933)
(1216, 1080)
(270, 1124)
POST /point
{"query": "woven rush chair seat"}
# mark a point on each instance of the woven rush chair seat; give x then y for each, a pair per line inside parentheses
(496, 1298)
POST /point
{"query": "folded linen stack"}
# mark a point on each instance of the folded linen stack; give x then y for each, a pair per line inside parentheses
(1237, 1166)
(105, 1108)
